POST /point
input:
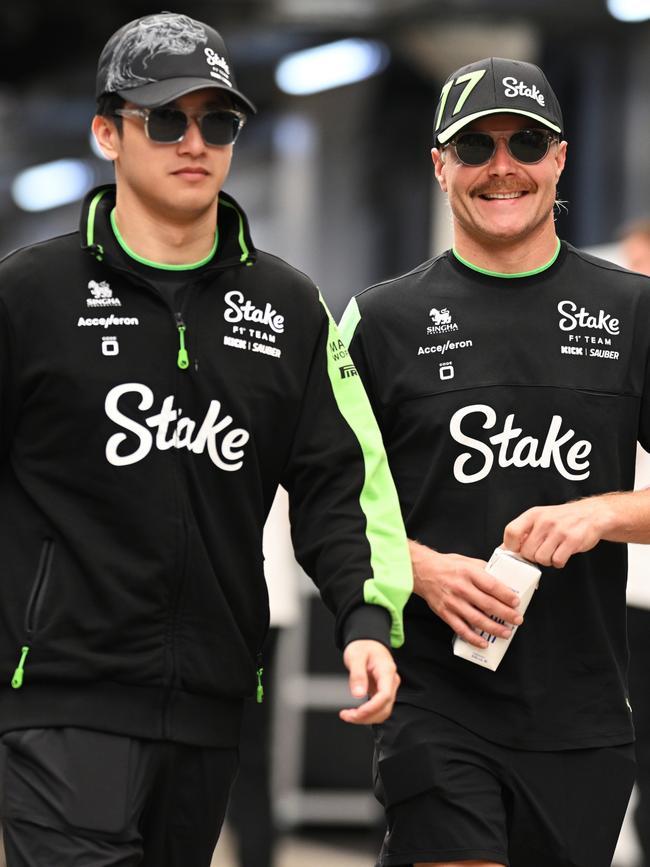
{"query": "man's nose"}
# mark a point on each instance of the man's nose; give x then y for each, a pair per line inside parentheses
(501, 161)
(192, 140)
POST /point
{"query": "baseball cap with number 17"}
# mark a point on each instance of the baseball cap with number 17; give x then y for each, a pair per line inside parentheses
(493, 86)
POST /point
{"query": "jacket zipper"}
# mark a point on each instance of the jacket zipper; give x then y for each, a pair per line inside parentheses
(260, 687)
(182, 359)
(34, 606)
(182, 362)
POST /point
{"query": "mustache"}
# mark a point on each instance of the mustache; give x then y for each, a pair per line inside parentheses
(489, 189)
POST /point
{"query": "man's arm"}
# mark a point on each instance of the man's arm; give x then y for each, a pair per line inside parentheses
(550, 535)
(346, 524)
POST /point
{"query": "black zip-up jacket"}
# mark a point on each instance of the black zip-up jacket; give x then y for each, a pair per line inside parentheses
(141, 450)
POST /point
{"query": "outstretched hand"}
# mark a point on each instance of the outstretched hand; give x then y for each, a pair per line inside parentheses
(372, 673)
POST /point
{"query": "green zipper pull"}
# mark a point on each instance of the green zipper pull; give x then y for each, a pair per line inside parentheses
(183, 360)
(17, 679)
(260, 688)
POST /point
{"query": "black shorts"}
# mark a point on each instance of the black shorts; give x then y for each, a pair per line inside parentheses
(450, 795)
(73, 796)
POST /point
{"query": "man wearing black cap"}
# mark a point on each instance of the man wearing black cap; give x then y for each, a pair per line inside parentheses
(509, 378)
(159, 377)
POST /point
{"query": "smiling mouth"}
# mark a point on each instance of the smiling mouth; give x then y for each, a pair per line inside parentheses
(497, 196)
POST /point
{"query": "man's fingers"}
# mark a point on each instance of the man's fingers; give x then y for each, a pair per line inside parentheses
(376, 709)
(357, 662)
(488, 606)
(379, 705)
(497, 596)
(479, 601)
(471, 620)
(516, 532)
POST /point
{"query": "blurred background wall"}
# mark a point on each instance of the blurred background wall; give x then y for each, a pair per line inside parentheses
(338, 181)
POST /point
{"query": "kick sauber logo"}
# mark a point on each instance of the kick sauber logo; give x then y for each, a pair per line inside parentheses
(102, 295)
(254, 329)
(587, 332)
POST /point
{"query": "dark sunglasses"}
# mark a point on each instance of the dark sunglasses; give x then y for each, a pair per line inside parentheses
(169, 125)
(527, 146)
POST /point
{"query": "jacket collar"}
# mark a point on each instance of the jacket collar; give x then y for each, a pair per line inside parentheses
(97, 237)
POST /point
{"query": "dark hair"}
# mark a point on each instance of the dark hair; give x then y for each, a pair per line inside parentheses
(107, 103)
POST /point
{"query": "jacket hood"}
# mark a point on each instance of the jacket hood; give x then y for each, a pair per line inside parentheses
(97, 237)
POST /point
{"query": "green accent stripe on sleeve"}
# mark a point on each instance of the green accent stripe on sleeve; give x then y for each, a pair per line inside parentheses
(349, 321)
(392, 581)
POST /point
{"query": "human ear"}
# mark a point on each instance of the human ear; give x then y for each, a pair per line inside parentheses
(440, 168)
(560, 159)
(106, 135)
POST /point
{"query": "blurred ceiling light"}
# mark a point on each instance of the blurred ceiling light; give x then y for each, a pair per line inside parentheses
(629, 10)
(51, 185)
(333, 65)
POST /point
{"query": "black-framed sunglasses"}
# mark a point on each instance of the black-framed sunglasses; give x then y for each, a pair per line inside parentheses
(527, 146)
(165, 125)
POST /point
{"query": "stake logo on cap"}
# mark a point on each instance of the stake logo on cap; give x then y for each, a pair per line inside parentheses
(158, 58)
(493, 86)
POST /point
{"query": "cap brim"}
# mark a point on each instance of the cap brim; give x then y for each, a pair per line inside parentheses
(448, 133)
(158, 93)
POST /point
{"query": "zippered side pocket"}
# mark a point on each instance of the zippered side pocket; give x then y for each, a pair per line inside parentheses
(34, 605)
(39, 586)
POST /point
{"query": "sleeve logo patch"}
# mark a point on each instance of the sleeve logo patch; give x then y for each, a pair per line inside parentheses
(347, 371)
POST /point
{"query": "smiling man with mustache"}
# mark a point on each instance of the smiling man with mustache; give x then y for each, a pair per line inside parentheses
(520, 431)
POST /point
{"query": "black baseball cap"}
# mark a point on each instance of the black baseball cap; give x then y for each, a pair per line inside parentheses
(155, 59)
(493, 86)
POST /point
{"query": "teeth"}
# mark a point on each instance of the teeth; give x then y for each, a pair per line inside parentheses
(502, 195)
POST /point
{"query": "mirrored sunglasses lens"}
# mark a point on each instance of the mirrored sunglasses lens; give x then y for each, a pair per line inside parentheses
(529, 145)
(166, 125)
(220, 127)
(474, 148)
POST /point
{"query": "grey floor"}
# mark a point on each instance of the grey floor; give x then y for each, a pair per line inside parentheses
(299, 852)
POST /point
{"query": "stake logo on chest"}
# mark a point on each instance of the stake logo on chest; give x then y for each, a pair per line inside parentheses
(509, 448)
